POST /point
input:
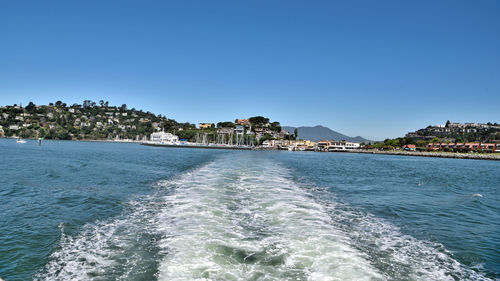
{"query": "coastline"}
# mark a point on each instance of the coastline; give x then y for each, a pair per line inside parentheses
(456, 155)
(113, 141)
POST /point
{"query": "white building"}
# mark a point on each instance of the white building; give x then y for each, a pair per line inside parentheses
(343, 145)
(269, 143)
(162, 137)
(239, 129)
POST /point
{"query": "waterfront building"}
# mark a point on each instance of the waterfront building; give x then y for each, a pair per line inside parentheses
(323, 145)
(470, 146)
(410, 147)
(162, 137)
(343, 145)
(269, 143)
(490, 147)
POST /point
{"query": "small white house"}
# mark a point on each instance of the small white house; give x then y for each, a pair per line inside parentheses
(162, 137)
(269, 143)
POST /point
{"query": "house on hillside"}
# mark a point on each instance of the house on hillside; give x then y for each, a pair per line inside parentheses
(243, 122)
(205, 125)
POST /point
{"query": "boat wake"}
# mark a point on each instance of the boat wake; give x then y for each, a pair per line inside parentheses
(246, 219)
(250, 222)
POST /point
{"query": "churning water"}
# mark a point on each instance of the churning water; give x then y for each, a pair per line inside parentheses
(104, 211)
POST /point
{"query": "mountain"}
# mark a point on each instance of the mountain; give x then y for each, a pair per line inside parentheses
(319, 132)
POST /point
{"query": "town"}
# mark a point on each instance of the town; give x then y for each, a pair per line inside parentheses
(100, 121)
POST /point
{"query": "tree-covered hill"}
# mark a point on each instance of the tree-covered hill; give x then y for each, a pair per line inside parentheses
(82, 121)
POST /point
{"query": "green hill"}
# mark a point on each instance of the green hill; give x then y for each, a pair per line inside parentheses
(82, 121)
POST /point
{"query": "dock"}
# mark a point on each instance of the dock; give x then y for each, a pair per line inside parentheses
(202, 146)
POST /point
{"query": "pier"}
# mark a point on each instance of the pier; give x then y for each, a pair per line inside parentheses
(197, 145)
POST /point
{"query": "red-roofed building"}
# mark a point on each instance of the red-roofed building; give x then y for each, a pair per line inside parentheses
(469, 146)
(410, 147)
(243, 122)
(489, 147)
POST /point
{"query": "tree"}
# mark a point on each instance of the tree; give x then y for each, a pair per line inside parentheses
(123, 107)
(264, 138)
(421, 143)
(101, 103)
(58, 103)
(447, 124)
(42, 132)
(296, 133)
(30, 107)
(258, 120)
(436, 139)
(226, 124)
(88, 104)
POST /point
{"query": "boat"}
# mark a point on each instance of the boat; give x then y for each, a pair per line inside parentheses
(20, 140)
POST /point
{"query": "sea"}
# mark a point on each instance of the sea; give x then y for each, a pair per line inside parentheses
(121, 211)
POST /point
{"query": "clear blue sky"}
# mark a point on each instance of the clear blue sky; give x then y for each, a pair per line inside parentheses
(372, 68)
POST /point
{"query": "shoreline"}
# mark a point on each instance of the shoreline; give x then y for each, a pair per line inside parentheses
(455, 155)
(113, 141)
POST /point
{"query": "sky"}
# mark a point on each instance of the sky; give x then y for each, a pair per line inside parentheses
(372, 68)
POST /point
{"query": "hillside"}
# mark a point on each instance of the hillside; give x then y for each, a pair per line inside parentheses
(91, 121)
(322, 133)
(87, 121)
(452, 131)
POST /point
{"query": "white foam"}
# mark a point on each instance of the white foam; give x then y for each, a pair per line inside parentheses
(102, 250)
(402, 256)
(233, 220)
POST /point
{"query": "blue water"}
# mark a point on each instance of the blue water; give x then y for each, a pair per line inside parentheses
(117, 211)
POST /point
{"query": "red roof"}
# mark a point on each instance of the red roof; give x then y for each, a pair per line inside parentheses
(409, 146)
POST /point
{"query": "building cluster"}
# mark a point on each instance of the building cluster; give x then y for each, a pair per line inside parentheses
(307, 145)
(464, 147)
(248, 128)
(452, 130)
(253, 132)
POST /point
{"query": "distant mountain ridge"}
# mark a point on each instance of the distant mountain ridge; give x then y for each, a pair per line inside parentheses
(319, 132)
